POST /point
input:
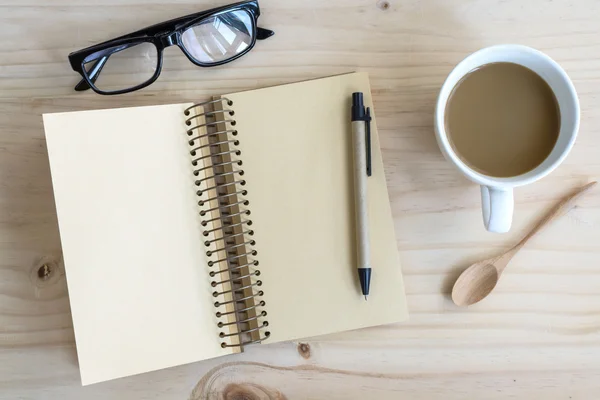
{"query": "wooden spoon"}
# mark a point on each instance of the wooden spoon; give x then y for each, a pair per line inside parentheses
(477, 281)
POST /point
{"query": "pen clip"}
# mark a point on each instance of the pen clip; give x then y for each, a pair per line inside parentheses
(368, 140)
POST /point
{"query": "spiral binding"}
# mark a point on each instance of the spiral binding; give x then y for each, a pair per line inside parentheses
(232, 215)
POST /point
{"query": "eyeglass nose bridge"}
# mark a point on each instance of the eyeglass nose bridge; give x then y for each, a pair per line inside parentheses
(168, 39)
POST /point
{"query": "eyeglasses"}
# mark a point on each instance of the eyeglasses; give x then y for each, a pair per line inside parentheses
(134, 61)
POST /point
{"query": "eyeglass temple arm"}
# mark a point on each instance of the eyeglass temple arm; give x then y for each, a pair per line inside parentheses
(93, 74)
(262, 33)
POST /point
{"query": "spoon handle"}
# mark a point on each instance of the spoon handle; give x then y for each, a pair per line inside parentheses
(557, 211)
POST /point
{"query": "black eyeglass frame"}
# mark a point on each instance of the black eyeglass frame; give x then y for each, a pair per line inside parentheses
(162, 35)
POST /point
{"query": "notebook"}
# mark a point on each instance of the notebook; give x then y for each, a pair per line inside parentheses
(191, 231)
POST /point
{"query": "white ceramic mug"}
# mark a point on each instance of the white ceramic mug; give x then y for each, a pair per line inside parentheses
(497, 193)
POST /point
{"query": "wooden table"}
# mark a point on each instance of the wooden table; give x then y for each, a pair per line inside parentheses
(536, 337)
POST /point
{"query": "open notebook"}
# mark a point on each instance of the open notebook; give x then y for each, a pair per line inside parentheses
(190, 231)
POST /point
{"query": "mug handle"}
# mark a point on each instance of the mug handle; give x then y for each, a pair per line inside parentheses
(497, 205)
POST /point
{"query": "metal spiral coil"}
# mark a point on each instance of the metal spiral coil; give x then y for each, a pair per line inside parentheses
(230, 238)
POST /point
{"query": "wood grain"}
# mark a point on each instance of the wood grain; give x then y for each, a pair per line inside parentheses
(538, 336)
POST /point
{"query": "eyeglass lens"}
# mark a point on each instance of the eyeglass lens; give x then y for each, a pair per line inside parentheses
(219, 37)
(123, 66)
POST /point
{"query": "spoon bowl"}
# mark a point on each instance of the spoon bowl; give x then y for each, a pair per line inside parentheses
(475, 283)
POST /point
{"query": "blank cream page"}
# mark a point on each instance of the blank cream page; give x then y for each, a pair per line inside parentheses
(296, 149)
(131, 236)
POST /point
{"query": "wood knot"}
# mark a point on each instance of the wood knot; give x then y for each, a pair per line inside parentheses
(383, 5)
(235, 391)
(304, 350)
(46, 272)
(239, 392)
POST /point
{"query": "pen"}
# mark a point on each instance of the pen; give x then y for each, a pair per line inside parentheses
(361, 138)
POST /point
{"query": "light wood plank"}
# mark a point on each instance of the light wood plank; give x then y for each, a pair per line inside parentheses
(537, 336)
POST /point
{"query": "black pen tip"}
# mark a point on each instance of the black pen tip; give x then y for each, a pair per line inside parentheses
(364, 276)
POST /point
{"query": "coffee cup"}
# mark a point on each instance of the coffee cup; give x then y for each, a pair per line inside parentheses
(497, 200)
